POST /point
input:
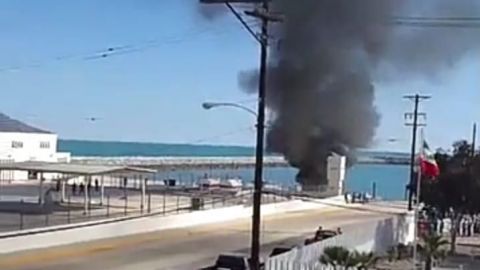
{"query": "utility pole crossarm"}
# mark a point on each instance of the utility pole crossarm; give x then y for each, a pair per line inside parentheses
(243, 22)
(263, 14)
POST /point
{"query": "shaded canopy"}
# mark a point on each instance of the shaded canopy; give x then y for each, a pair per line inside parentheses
(70, 168)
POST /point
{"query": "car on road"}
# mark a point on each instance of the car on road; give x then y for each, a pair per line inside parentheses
(232, 262)
(279, 250)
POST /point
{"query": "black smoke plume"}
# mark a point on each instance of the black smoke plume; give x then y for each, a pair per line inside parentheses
(322, 70)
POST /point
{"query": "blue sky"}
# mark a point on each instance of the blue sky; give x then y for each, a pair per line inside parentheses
(155, 94)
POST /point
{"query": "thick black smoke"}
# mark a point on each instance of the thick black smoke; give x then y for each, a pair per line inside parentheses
(321, 72)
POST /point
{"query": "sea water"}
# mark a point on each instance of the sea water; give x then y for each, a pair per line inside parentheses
(390, 179)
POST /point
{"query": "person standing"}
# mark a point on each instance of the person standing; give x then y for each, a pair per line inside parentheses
(74, 188)
(97, 186)
(82, 188)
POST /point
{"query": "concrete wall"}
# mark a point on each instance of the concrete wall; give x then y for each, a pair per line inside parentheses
(64, 235)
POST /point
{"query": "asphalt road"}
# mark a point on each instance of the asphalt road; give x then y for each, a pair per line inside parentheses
(191, 248)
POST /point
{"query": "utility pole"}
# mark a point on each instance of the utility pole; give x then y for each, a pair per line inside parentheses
(263, 14)
(409, 116)
(474, 139)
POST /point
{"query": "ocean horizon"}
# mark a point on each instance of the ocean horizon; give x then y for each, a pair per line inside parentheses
(91, 148)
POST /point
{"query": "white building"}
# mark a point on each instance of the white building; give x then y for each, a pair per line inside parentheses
(20, 142)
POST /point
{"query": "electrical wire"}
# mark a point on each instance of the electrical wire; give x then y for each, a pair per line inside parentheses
(441, 22)
(401, 21)
(128, 48)
(220, 136)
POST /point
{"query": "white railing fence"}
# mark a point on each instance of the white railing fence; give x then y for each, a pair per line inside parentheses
(374, 236)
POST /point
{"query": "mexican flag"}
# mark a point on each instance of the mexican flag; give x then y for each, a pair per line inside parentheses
(428, 165)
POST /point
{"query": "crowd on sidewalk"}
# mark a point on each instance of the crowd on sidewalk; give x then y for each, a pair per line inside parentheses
(469, 225)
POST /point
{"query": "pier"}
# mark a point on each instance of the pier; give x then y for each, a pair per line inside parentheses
(169, 163)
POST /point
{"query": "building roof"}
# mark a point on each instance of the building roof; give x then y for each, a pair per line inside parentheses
(8, 124)
(69, 168)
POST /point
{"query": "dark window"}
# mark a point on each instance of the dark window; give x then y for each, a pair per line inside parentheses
(17, 144)
(45, 145)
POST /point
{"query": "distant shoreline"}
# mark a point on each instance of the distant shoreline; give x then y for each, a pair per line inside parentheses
(110, 149)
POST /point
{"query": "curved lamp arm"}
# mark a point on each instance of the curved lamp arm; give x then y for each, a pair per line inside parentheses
(211, 105)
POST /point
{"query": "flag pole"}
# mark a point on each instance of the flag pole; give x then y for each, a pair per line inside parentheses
(417, 206)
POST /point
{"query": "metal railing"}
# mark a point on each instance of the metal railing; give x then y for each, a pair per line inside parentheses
(24, 215)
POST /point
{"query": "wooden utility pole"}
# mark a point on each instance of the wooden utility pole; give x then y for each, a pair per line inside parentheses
(263, 14)
(474, 138)
(408, 116)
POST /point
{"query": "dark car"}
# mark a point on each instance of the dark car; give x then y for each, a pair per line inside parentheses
(232, 262)
(279, 250)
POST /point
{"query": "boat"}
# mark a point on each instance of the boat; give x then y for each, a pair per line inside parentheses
(209, 183)
(234, 183)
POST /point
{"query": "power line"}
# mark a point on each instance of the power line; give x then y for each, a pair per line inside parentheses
(427, 18)
(126, 49)
(223, 135)
(442, 22)
(406, 21)
(438, 24)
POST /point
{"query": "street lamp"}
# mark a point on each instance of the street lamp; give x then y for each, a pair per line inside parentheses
(211, 105)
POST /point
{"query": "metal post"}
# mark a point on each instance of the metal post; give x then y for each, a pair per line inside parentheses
(149, 202)
(178, 203)
(164, 195)
(142, 197)
(108, 206)
(374, 190)
(102, 189)
(68, 209)
(40, 190)
(87, 190)
(125, 182)
(125, 206)
(21, 214)
(63, 190)
(85, 196)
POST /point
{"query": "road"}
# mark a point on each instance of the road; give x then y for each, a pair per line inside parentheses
(191, 248)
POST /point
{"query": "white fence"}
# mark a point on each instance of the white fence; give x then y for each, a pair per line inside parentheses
(373, 236)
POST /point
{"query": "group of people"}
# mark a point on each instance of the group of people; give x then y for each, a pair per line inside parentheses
(81, 187)
(357, 197)
(468, 226)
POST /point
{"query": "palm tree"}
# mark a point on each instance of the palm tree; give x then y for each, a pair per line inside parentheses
(431, 248)
(364, 260)
(337, 257)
